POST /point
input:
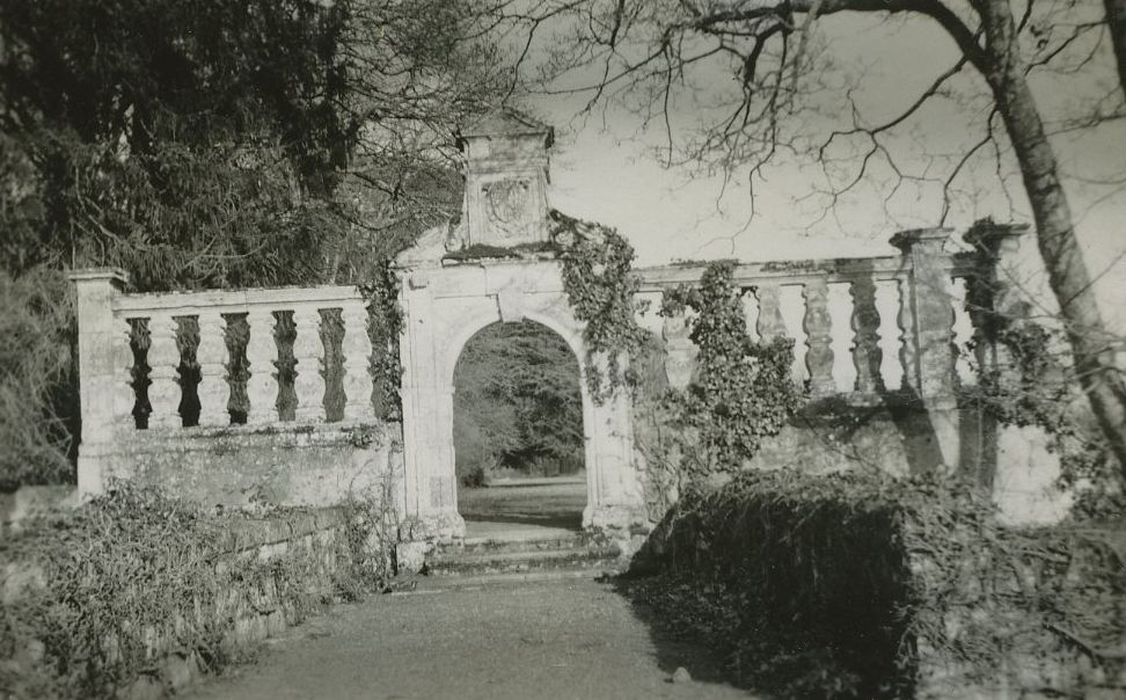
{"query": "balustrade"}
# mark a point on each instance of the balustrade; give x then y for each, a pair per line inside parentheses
(923, 274)
(163, 317)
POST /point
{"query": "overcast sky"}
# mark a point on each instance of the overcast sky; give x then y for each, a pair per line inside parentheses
(604, 168)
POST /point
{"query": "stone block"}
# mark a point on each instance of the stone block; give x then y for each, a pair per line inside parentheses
(146, 687)
(179, 671)
(18, 579)
(411, 556)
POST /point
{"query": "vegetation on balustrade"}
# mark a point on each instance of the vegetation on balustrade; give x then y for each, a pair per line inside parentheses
(1035, 385)
(95, 598)
(385, 324)
(840, 585)
(601, 287)
(742, 391)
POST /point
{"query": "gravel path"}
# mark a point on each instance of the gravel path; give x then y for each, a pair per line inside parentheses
(551, 639)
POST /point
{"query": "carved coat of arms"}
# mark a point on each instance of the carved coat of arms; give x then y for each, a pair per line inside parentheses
(507, 207)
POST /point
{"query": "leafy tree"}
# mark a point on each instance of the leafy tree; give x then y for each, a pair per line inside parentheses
(213, 144)
(518, 402)
(201, 144)
(780, 102)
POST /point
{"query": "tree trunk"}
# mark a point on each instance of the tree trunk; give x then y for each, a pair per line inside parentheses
(1067, 272)
(1116, 23)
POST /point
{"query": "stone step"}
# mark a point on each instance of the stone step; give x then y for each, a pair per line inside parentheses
(506, 557)
(480, 545)
(422, 585)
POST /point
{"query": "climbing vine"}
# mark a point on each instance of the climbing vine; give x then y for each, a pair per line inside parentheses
(600, 287)
(1035, 388)
(743, 391)
(384, 326)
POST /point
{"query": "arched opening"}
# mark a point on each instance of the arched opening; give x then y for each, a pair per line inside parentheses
(518, 431)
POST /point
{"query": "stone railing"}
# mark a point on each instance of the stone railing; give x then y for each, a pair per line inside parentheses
(134, 348)
(924, 288)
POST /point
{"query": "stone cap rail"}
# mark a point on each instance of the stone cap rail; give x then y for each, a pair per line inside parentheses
(235, 300)
(883, 268)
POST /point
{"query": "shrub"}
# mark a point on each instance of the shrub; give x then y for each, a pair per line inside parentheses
(38, 379)
(860, 585)
(97, 597)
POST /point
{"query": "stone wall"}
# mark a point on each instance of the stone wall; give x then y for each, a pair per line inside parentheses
(274, 571)
(313, 464)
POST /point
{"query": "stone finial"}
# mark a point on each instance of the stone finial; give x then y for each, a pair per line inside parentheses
(506, 178)
(928, 239)
(996, 240)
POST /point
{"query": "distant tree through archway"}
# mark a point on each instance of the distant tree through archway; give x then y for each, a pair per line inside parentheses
(518, 427)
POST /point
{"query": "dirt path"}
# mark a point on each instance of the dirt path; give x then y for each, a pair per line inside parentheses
(549, 639)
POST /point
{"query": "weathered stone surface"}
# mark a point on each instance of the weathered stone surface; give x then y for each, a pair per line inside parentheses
(866, 353)
(309, 353)
(213, 391)
(818, 330)
(163, 360)
(238, 465)
(261, 353)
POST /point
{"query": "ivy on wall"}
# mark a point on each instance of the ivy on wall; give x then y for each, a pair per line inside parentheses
(743, 390)
(385, 323)
(600, 287)
(1036, 387)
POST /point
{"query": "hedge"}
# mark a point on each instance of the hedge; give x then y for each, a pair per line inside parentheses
(861, 585)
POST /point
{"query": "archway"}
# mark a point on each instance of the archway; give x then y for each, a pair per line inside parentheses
(519, 439)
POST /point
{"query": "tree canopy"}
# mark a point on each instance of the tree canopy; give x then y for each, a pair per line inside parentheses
(210, 143)
(204, 144)
(518, 404)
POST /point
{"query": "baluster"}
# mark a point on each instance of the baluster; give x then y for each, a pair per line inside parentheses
(213, 390)
(681, 352)
(750, 312)
(164, 359)
(770, 324)
(356, 349)
(866, 353)
(818, 331)
(124, 395)
(261, 352)
(906, 322)
(308, 350)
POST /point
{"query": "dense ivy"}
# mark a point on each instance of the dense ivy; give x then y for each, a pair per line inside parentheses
(385, 323)
(743, 390)
(600, 286)
(1033, 386)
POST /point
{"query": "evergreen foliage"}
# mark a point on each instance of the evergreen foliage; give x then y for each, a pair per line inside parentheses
(518, 403)
(217, 144)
